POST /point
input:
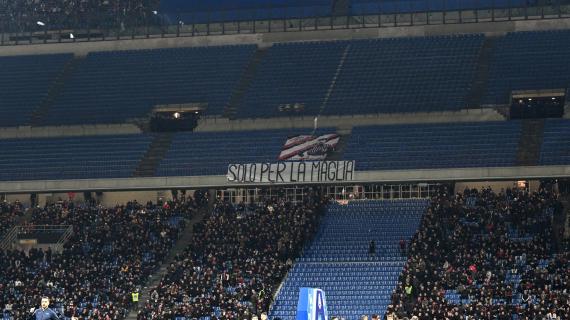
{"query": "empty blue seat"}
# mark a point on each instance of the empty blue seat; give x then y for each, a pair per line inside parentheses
(337, 260)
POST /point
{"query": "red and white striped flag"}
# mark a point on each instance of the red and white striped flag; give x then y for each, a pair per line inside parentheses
(309, 147)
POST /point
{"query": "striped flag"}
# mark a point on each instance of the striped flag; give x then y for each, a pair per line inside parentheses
(309, 147)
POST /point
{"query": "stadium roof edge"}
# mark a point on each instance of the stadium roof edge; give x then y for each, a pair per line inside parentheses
(81, 48)
(167, 183)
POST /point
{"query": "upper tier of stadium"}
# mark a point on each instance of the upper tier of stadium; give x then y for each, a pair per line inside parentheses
(421, 99)
(22, 16)
(330, 78)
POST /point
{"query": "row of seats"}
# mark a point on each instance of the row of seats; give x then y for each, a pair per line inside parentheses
(556, 143)
(227, 10)
(528, 61)
(24, 84)
(210, 153)
(114, 156)
(389, 147)
(405, 75)
(218, 11)
(110, 87)
(424, 146)
(363, 7)
(415, 74)
(353, 284)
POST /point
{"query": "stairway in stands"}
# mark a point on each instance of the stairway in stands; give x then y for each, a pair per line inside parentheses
(244, 83)
(530, 143)
(155, 153)
(479, 86)
(181, 245)
(337, 72)
(54, 91)
(338, 262)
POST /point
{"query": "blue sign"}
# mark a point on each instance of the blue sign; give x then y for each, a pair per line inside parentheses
(312, 304)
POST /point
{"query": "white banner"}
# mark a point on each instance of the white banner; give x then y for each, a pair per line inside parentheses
(292, 171)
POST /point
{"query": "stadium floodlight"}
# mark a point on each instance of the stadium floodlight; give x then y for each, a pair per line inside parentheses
(39, 23)
(155, 12)
(71, 36)
(176, 115)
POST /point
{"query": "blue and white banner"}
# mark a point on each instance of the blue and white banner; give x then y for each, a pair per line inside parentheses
(312, 304)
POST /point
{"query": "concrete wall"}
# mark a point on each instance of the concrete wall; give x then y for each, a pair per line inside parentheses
(82, 48)
(263, 39)
(167, 183)
(224, 124)
(67, 131)
(347, 122)
(108, 199)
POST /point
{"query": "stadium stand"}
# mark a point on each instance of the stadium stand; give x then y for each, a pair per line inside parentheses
(480, 254)
(111, 87)
(405, 75)
(471, 255)
(20, 16)
(370, 76)
(209, 153)
(356, 281)
(99, 267)
(292, 73)
(235, 263)
(543, 55)
(227, 10)
(9, 212)
(113, 156)
(425, 146)
(414, 74)
(24, 83)
(556, 143)
(364, 7)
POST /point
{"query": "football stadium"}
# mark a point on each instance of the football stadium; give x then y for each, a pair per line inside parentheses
(285, 159)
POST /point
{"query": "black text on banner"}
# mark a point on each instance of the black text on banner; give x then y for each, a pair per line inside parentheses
(292, 171)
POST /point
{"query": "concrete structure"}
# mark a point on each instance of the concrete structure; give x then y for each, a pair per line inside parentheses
(194, 182)
(266, 39)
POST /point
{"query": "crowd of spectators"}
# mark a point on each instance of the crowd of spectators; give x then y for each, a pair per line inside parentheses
(483, 255)
(110, 255)
(238, 256)
(9, 213)
(23, 15)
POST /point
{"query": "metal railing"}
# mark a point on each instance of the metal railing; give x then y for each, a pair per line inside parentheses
(18, 232)
(164, 28)
(9, 239)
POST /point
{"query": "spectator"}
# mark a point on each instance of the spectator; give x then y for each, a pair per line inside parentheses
(9, 213)
(99, 267)
(238, 257)
(372, 248)
(479, 255)
(22, 15)
(403, 247)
